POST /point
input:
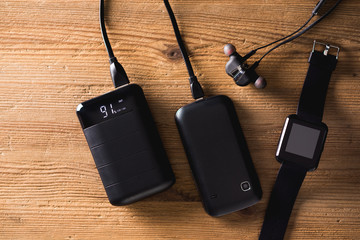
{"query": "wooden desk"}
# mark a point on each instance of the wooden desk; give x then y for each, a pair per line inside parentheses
(52, 58)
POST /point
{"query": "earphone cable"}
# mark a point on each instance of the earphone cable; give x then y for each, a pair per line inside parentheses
(314, 13)
(290, 35)
(300, 33)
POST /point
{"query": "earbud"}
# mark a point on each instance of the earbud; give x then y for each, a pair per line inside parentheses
(240, 71)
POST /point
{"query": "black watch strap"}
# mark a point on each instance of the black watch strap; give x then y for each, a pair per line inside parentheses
(291, 175)
(282, 199)
(313, 95)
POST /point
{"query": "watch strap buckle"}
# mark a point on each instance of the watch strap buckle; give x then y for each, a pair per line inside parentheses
(327, 48)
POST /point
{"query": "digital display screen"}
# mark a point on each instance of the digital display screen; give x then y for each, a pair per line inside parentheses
(111, 109)
(103, 108)
(302, 141)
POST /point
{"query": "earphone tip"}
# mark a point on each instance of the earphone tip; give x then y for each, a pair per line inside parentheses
(229, 49)
(260, 83)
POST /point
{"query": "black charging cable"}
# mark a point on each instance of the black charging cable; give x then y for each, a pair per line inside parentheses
(103, 30)
(118, 73)
(196, 89)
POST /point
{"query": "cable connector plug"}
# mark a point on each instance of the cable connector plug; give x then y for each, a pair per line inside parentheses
(118, 74)
(318, 6)
(249, 55)
(196, 89)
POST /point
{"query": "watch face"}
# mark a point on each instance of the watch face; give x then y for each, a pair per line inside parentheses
(301, 142)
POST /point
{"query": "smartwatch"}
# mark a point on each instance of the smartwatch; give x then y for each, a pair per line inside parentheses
(301, 143)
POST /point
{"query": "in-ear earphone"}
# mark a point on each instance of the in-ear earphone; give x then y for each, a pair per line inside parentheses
(243, 74)
(240, 71)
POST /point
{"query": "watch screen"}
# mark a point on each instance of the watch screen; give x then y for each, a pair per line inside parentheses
(302, 141)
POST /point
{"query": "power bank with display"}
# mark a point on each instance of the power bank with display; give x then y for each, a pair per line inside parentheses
(125, 145)
(218, 155)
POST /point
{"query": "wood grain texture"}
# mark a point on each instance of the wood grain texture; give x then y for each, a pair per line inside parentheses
(52, 58)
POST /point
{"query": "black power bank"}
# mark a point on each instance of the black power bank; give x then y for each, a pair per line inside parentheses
(125, 145)
(215, 146)
(218, 155)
